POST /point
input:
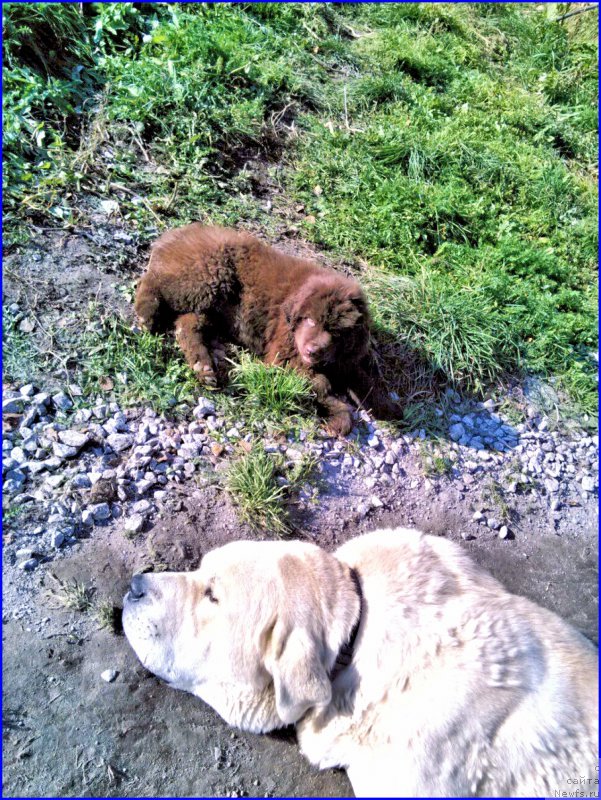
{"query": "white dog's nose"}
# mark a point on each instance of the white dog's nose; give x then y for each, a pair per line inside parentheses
(136, 588)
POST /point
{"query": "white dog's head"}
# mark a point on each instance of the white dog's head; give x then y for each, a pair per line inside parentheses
(254, 631)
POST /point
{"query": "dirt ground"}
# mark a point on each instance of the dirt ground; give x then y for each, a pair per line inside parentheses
(68, 732)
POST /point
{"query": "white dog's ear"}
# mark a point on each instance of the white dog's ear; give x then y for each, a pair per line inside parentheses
(299, 677)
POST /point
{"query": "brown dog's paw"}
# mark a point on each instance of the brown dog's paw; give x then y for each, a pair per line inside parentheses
(339, 424)
(205, 374)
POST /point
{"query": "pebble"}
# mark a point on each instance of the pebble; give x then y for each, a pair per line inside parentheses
(478, 516)
(456, 432)
(142, 506)
(109, 675)
(588, 484)
(120, 441)
(552, 485)
(373, 441)
(134, 523)
(13, 405)
(29, 565)
(74, 439)
(493, 523)
(503, 532)
(62, 401)
(100, 511)
(57, 538)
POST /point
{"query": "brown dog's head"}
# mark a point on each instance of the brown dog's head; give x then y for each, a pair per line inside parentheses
(329, 320)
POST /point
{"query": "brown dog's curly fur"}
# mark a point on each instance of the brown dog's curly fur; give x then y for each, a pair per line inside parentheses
(218, 283)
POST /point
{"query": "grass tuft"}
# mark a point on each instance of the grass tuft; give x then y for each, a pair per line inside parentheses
(252, 484)
(278, 395)
(73, 595)
(260, 483)
(133, 367)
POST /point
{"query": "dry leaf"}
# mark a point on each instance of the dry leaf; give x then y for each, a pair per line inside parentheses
(245, 445)
(217, 449)
(106, 384)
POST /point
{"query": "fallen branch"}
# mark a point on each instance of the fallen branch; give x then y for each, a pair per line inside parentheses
(577, 11)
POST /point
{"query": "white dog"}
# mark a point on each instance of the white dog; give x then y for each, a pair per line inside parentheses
(396, 657)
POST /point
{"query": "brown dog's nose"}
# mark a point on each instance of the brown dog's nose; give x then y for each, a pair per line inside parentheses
(136, 588)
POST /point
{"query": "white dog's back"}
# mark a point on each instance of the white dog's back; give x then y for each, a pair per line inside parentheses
(456, 687)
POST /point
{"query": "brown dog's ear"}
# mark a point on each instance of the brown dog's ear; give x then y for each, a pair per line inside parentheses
(292, 308)
(299, 676)
(350, 310)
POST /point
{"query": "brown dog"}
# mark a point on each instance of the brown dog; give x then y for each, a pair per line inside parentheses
(217, 283)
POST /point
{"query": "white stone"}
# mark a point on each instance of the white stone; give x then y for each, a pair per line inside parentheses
(61, 401)
(74, 438)
(109, 675)
(588, 483)
(134, 523)
(120, 441)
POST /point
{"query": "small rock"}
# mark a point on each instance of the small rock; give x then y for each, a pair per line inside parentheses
(14, 405)
(373, 441)
(18, 454)
(456, 431)
(134, 523)
(109, 675)
(217, 449)
(375, 501)
(120, 441)
(100, 511)
(503, 532)
(74, 438)
(29, 565)
(64, 450)
(555, 504)
(62, 401)
(493, 524)
(478, 516)
(142, 507)
(204, 408)
(57, 538)
(588, 483)
(552, 485)
(28, 390)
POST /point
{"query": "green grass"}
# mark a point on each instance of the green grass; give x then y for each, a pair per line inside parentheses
(133, 366)
(73, 594)
(467, 179)
(19, 356)
(455, 147)
(260, 498)
(275, 395)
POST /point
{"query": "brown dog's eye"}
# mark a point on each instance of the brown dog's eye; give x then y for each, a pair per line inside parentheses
(210, 595)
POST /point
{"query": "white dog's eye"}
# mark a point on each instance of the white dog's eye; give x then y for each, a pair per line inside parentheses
(210, 595)
(310, 322)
